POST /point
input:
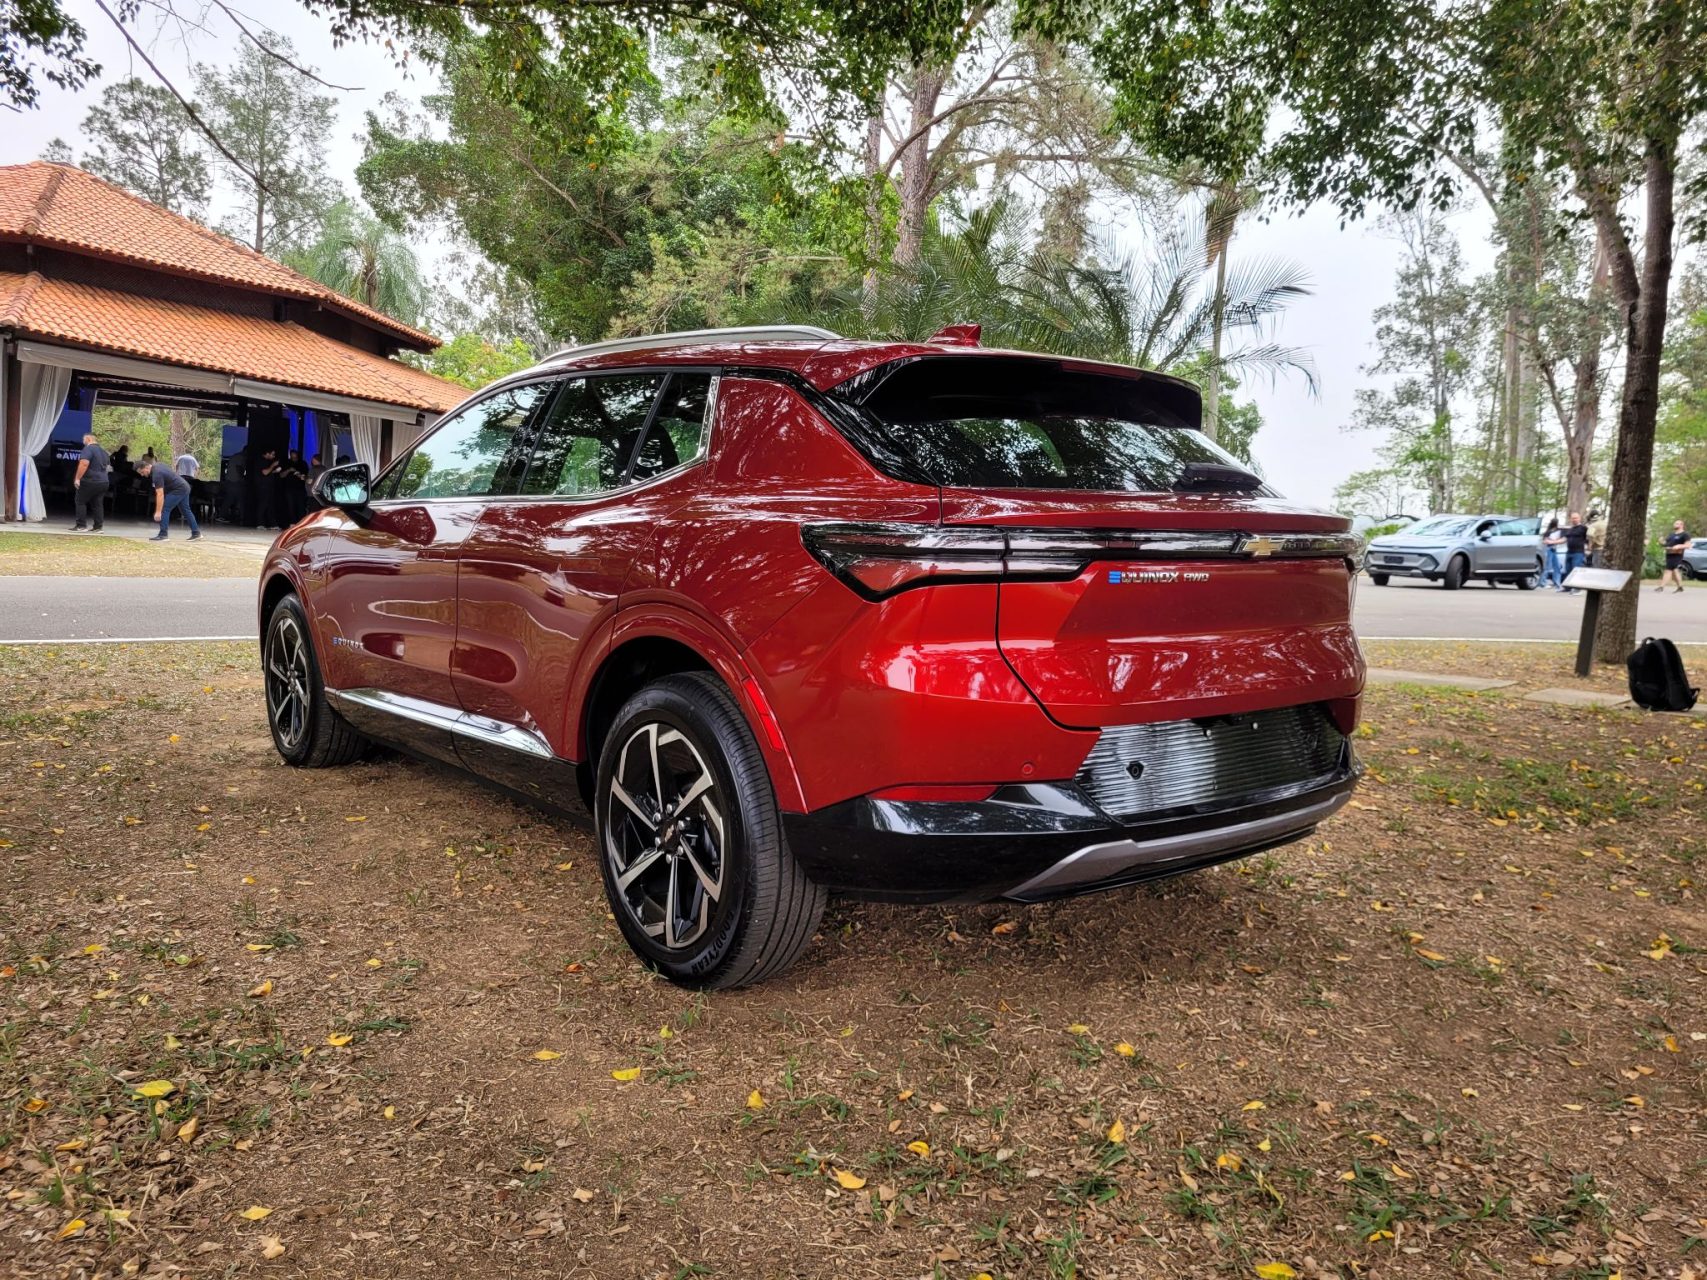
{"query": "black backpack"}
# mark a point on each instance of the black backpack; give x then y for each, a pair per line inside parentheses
(1657, 679)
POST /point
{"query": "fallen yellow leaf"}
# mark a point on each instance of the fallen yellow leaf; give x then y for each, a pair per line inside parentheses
(546, 1055)
(257, 946)
(35, 1104)
(1252, 1106)
(255, 1212)
(390, 1113)
(155, 1088)
(187, 1130)
(1125, 1050)
(1078, 1029)
(626, 1074)
(73, 1228)
(920, 1148)
(264, 988)
(1229, 1160)
(755, 1101)
(1274, 1271)
(1426, 954)
(847, 1181)
(339, 1039)
(272, 1247)
(1117, 1131)
(374, 962)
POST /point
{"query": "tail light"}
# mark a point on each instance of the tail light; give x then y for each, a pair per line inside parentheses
(878, 560)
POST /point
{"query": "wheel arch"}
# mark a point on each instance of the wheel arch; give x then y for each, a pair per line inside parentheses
(640, 650)
(275, 587)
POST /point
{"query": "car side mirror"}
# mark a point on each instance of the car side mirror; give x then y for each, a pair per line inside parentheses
(348, 486)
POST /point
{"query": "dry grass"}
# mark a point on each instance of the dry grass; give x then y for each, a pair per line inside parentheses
(1462, 1032)
(103, 555)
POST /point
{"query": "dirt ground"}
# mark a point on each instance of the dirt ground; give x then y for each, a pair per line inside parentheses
(376, 1022)
(59, 555)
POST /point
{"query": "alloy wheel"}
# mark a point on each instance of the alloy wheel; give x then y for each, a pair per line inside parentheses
(288, 681)
(666, 839)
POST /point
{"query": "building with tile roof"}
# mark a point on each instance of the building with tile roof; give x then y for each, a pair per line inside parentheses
(128, 303)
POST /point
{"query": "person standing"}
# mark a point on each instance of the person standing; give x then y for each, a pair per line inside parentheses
(1596, 539)
(94, 476)
(185, 464)
(171, 491)
(1553, 548)
(269, 484)
(1676, 543)
(1576, 546)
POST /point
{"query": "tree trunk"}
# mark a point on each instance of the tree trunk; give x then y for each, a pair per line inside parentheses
(177, 434)
(916, 164)
(873, 210)
(1644, 300)
(260, 220)
(1585, 391)
(1212, 395)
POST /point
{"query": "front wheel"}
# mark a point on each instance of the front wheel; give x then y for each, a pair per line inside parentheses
(1529, 581)
(1380, 579)
(306, 730)
(696, 868)
(1457, 570)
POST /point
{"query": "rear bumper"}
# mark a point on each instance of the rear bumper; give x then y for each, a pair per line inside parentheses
(1043, 840)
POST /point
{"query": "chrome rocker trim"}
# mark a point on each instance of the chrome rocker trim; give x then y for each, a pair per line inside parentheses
(433, 715)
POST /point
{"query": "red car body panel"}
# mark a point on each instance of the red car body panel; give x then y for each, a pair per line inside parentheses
(510, 607)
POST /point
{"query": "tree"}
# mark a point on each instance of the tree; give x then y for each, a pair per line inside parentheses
(145, 140)
(688, 217)
(359, 256)
(1426, 339)
(271, 121)
(1373, 95)
(39, 37)
(474, 361)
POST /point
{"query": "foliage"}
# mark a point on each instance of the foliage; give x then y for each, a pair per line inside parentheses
(38, 37)
(145, 141)
(687, 217)
(359, 256)
(1680, 469)
(270, 117)
(474, 361)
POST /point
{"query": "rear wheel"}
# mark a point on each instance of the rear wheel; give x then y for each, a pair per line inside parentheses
(696, 868)
(1457, 569)
(1380, 579)
(1529, 581)
(307, 732)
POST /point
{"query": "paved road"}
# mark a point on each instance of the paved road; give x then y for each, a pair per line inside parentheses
(141, 608)
(39, 609)
(1478, 612)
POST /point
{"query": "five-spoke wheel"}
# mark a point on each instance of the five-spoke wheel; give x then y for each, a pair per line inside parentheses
(696, 869)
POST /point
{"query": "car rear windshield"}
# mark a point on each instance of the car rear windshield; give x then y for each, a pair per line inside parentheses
(987, 422)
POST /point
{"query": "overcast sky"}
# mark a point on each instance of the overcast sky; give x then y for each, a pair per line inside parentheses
(1302, 447)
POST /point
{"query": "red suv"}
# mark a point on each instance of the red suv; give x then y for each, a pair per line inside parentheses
(794, 615)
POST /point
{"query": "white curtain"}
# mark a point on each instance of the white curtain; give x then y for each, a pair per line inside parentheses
(42, 391)
(364, 435)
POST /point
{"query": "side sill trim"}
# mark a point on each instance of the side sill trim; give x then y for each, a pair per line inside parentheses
(483, 729)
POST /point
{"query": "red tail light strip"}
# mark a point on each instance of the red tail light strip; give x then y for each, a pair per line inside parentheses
(877, 560)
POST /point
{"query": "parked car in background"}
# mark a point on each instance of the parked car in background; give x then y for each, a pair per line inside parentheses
(1695, 560)
(794, 615)
(1453, 550)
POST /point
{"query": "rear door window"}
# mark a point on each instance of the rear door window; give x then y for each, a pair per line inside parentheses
(678, 429)
(586, 441)
(990, 422)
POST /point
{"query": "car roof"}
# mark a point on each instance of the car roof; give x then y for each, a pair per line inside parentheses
(823, 359)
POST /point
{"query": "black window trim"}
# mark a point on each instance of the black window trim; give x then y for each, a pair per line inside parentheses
(628, 485)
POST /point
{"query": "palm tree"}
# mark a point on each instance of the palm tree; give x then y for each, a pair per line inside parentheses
(1177, 309)
(359, 256)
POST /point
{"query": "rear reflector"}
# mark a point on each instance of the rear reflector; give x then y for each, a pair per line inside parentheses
(878, 560)
(937, 794)
(762, 710)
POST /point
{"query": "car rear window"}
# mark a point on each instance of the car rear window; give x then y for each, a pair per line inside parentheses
(988, 422)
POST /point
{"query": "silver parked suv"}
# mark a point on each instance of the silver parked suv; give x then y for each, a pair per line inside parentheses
(1451, 550)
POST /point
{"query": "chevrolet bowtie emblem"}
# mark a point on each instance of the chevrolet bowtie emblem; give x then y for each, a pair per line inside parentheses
(1259, 546)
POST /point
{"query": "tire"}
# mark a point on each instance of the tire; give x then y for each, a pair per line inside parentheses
(1380, 579)
(1529, 581)
(750, 910)
(1690, 571)
(1457, 570)
(307, 732)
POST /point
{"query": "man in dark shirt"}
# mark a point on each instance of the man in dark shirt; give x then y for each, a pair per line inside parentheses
(171, 491)
(94, 475)
(268, 485)
(1576, 546)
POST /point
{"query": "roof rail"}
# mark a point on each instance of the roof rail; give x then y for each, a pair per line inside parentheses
(691, 337)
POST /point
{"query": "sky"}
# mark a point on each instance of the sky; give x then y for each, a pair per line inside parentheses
(1302, 448)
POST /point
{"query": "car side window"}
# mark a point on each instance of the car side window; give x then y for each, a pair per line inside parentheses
(679, 428)
(1519, 529)
(461, 457)
(587, 438)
